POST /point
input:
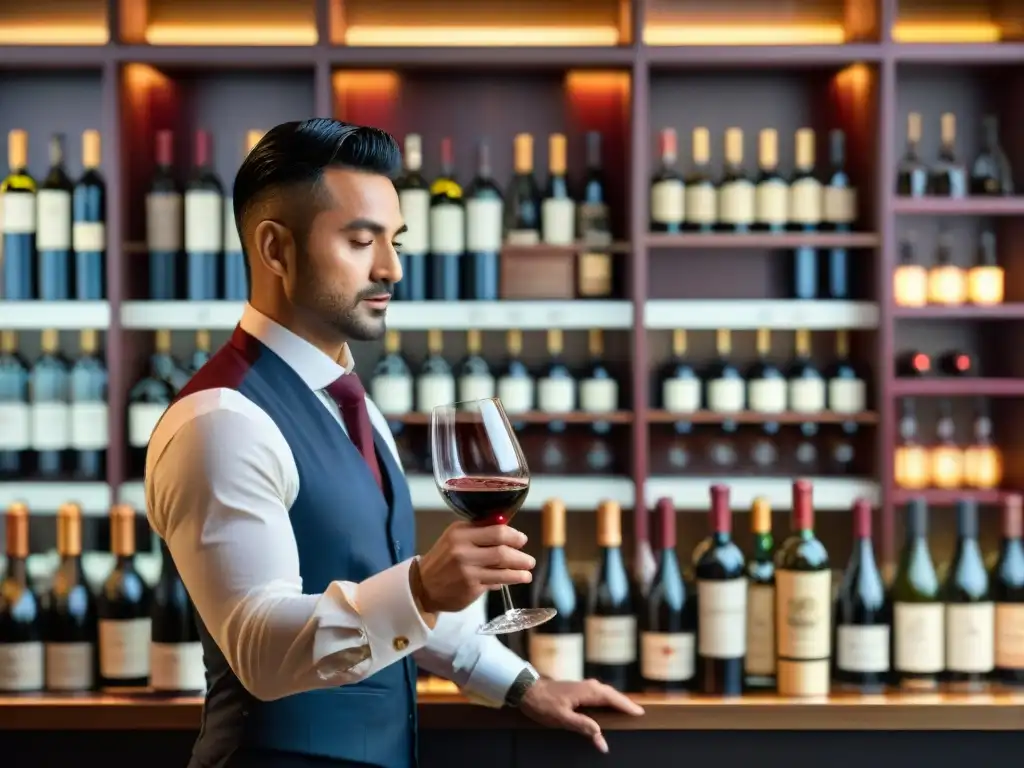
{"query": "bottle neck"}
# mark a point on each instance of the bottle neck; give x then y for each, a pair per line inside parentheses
(17, 569)
(763, 545)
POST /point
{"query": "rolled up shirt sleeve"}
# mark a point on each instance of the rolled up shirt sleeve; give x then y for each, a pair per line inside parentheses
(220, 479)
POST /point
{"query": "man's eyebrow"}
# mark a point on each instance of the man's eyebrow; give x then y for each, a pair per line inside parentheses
(370, 225)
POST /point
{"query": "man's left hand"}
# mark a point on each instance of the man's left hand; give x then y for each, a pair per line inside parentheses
(554, 703)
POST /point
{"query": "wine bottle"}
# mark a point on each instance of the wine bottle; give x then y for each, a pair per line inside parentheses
(88, 415)
(204, 222)
(475, 381)
(557, 209)
(919, 651)
(947, 281)
(201, 352)
(594, 267)
(391, 385)
(176, 654)
(986, 280)
(910, 280)
(726, 390)
(991, 173)
(948, 177)
(759, 665)
(805, 190)
(839, 198)
(556, 648)
(18, 223)
(70, 620)
(803, 583)
(53, 227)
(668, 192)
(721, 604)
(89, 216)
(610, 626)
(912, 462)
(51, 416)
(807, 390)
(522, 210)
(680, 384)
(414, 200)
(970, 612)
(515, 384)
(912, 364)
(123, 608)
(847, 390)
(955, 363)
(982, 459)
(771, 196)
(912, 173)
(484, 217)
(235, 273)
(947, 457)
(556, 387)
(435, 384)
(150, 396)
(15, 413)
(766, 386)
(1008, 594)
(863, 614)
(736, 192)
(668, 622)
(599, 391)
(701, 196)
(447, 229)
(21, 624)
(164, 222)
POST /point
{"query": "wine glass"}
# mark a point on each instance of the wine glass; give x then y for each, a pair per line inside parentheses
(482, 475)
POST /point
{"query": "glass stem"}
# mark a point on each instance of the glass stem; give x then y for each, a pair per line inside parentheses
(506, 597)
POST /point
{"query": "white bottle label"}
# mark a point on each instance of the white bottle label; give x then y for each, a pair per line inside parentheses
(736, 202)
(610, 639)
(559, 657)
(51, 426)
(70, 666)
(805, 199)
(839, 205)
(771, 202)
(760, 659)
(15, 426)
(807, 395)
(17, 213)
(726, 395)
(124, 648)
(862, 649)
(164, 221)
(722, 618)
(970, 637)
(484, 225)
(767, 395)
(232, 242)
(516, 393)
(476, 387)
(415, 204)
(142, 420)
(847, 396)
(433, 389)
(920, 637)
(447, 229)
(177, 667)
(53, 220)
(599, 395)
(556, 395)
(1010, 636)
(558, 221)
(21, 667)
(89, 236)
(803, 626)
(668, 657)
(681, 395)
(392, 394)
(89, 426)
(701, 204)
(204, 222)
(668, 202)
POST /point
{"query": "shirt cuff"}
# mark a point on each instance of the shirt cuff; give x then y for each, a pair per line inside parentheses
(493, 675)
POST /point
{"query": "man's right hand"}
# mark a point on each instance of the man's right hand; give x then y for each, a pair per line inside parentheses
(466, 561)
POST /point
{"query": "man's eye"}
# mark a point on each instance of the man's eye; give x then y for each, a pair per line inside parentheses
(397, 246)
(361, 244)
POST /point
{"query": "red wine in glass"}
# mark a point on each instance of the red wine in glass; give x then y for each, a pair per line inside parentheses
(485, 500)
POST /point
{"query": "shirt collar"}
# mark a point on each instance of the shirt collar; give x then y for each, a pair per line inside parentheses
(315, 368)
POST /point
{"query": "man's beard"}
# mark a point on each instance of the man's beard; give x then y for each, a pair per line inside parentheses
(340, 314)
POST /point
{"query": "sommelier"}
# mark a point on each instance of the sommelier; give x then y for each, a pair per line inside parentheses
(277, 487)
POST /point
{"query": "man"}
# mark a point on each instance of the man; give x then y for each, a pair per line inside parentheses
(278, 490)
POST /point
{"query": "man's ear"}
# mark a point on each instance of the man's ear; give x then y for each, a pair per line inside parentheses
(274, 247)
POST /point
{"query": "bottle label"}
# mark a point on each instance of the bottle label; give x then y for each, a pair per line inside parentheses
(415, 204)
(558, 221)
(21, 667)
(522, 237)
(701, 204)
(910, 286)
(760, 658)
(805, 198)
(559, 657)
(163, 222)
(15, 426)
(594, 275)
(592, 225)
(177, 667)
(204, 221)
(447, 229)
(89, 422)
(483, 225)
(232, 241)
(668, 657)
(767, 395)
(807, 395)
(51, 426)
(556, 395)
(772, 202)
(142, 420)
(516, 393)
(610, 639)
(722, 618)
(1010, 636)
(124, 648)
(433, 389)
(802, 620)
(847, 396)
(681, 395)
(970, 637)
(726, 395)
(920, 637)
(983, 467)
(70, 666)
(19, 213)
(839, 205)
(53, 220)
(668, 201)
(862, 649)
(736, 202)
(392, 394)
(476, 387)
(89, 236)
(599, 395)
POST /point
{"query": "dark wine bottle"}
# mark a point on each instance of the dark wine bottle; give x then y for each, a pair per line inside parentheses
(18, 226)
(176, 654)
(668, 622)
(668, 193)
(522, 203)
(863, 615)
(414, 199)
(21, 625)
(556, 648)
(772, 191)
(955, 363)
(991, 172)
(484, 223)
(70, 624)
(204, 223)
(722, 605)
(53, 228)
(760, 660)
(610, 626)
(948, 177)
(164, 222)
(912, 173)
(1008, 594)
(913, 364)
(447, 229)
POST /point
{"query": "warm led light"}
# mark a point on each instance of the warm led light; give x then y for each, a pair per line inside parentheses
(49, 34)
(946, 32)
(381, 83)
(425, 36)
(214, 34)
(749, 34)
(581, 82)
(141, 78)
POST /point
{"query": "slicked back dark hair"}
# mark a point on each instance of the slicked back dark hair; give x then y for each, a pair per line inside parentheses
(292, 158)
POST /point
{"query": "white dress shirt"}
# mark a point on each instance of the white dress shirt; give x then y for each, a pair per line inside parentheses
(220, 479)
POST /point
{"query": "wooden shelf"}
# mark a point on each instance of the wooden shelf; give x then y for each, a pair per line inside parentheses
(943, 498)
(967, 206)
(784, 56)
(535, 417)
(763, 241)
(958, 54)
(711, 417)
(958, 387)
(1011, 311)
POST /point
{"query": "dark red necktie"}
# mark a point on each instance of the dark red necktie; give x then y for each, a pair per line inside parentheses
(347, 391)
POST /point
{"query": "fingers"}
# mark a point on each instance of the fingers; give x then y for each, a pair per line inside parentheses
(574, 721)
(495, 577)
(598, 694)
(495, 536)
(499, 557)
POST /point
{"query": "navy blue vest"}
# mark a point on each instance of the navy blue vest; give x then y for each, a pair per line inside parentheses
(346, 529)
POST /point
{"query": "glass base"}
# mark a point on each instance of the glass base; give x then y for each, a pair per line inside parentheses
(517, 620)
